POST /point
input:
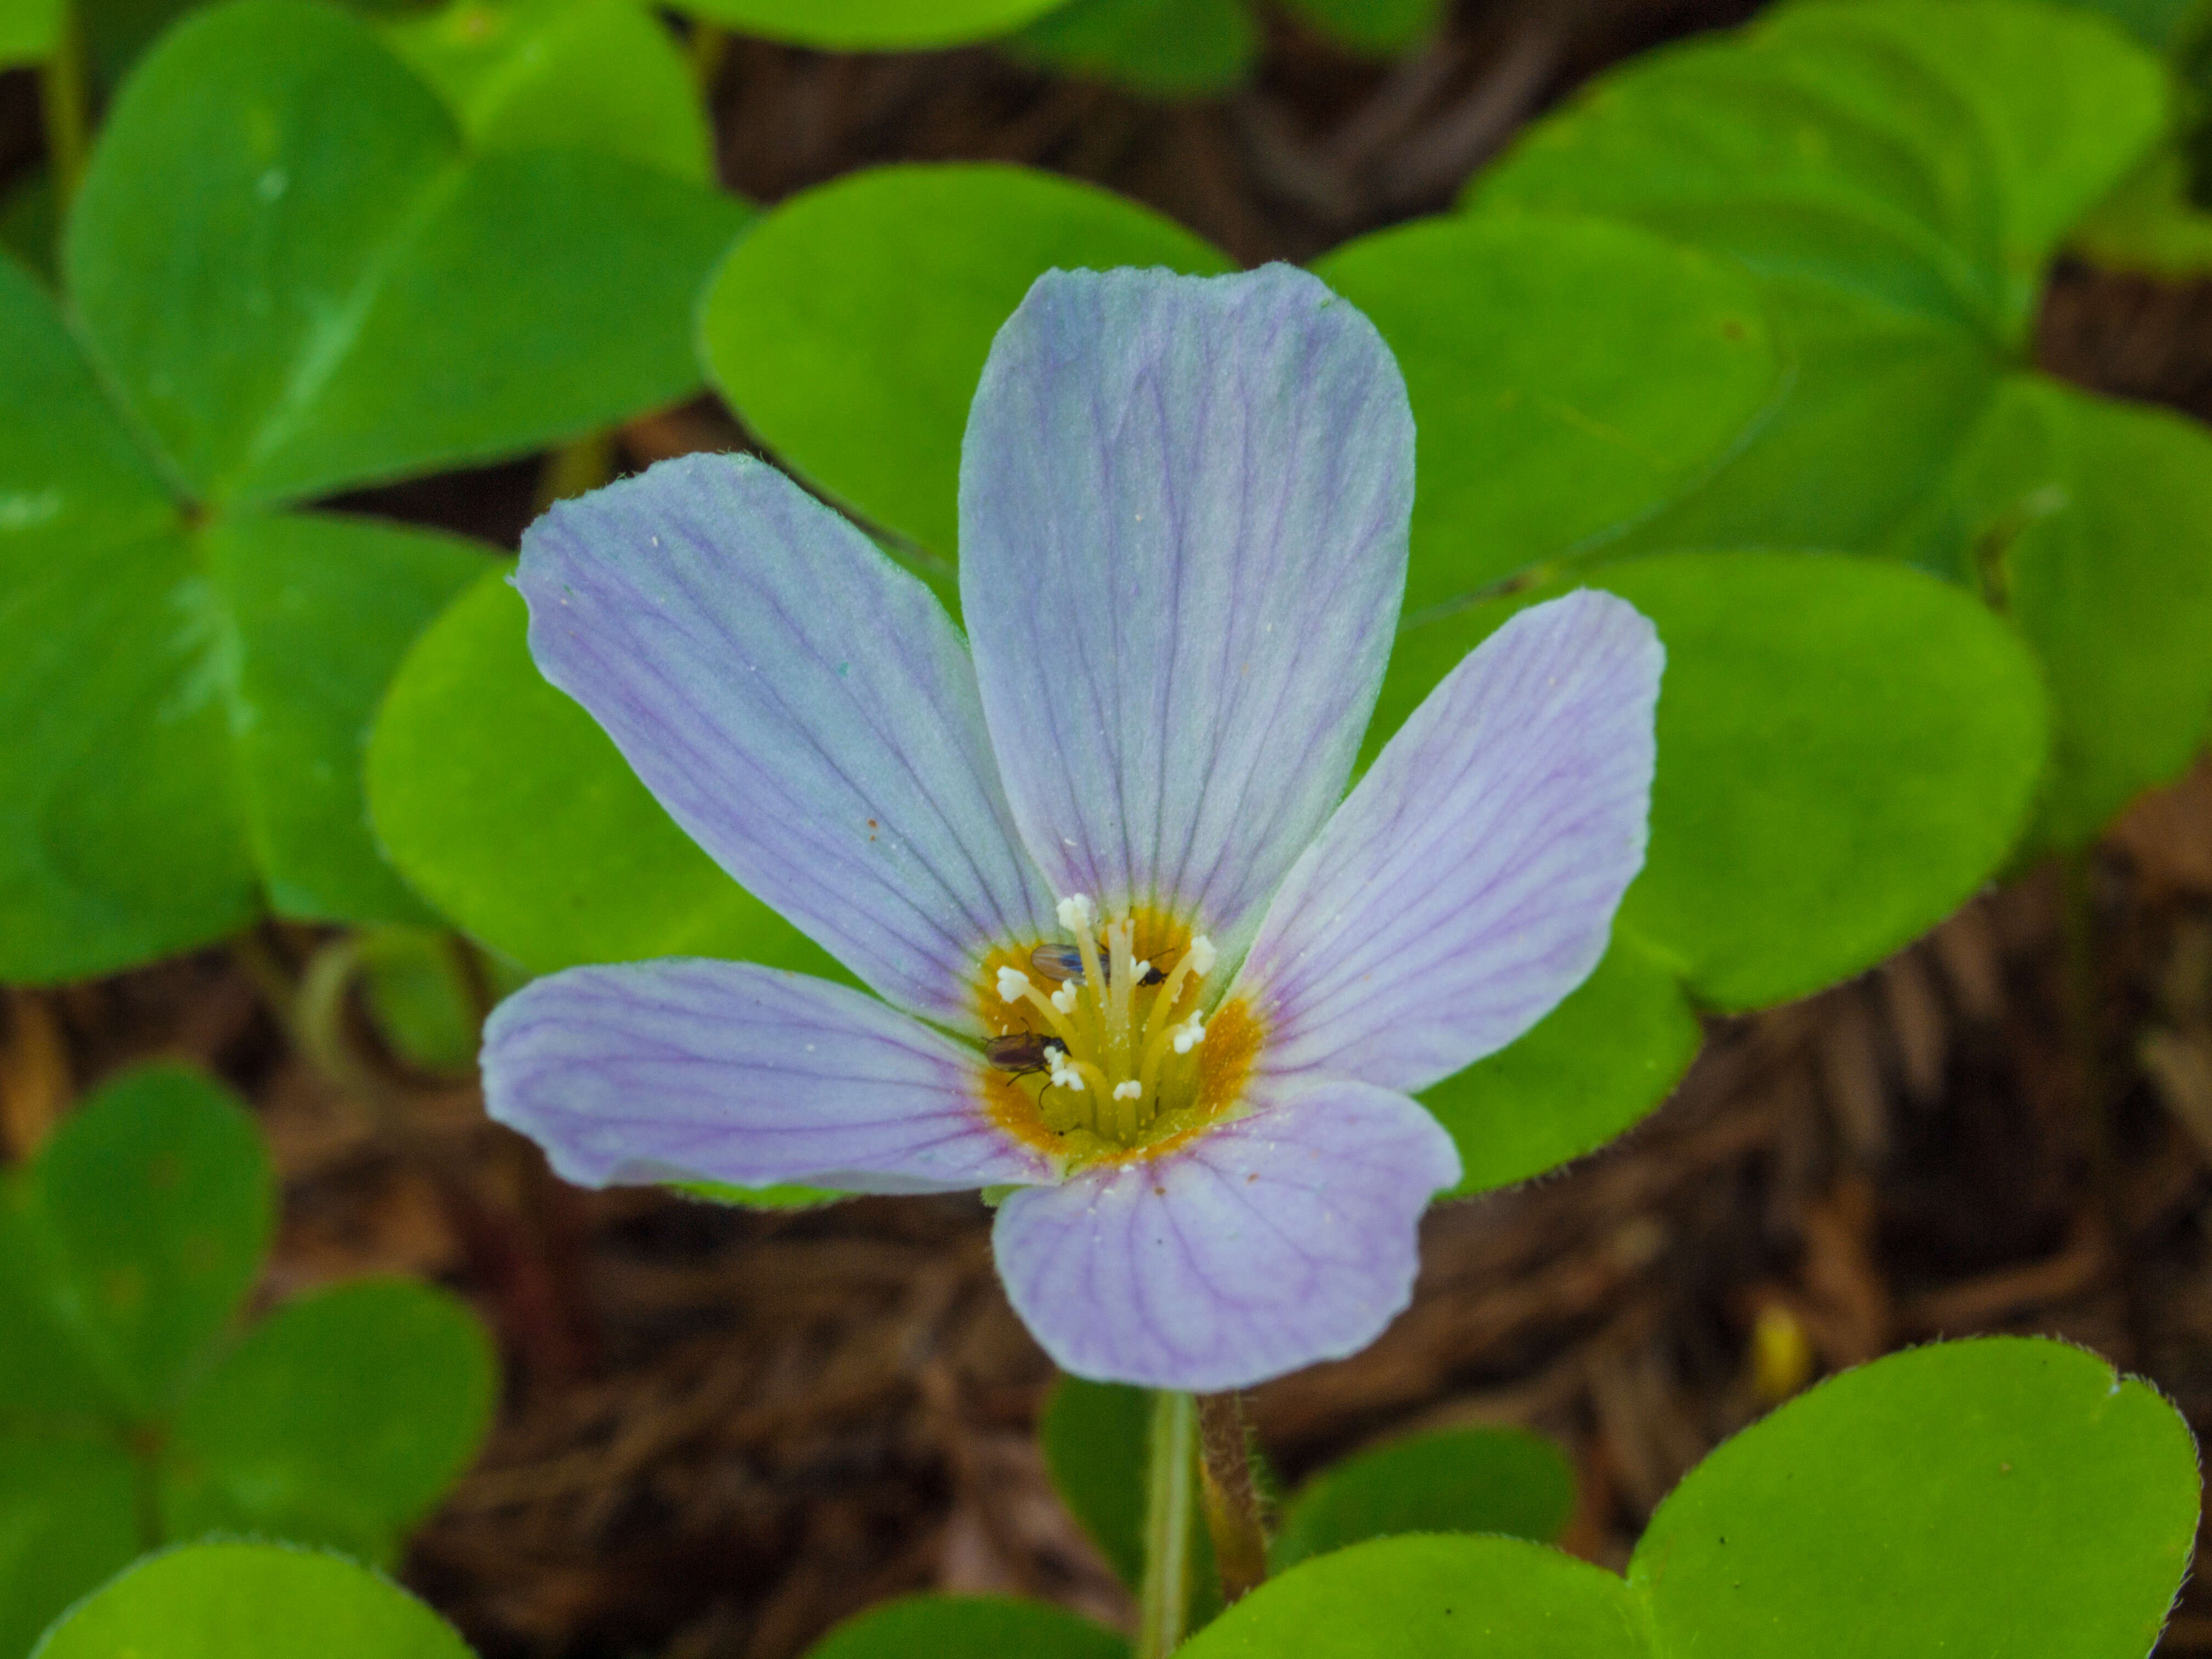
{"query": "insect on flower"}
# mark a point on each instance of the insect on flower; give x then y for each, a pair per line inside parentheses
(1023, 1052)
(1063, 962)
(1137, 956)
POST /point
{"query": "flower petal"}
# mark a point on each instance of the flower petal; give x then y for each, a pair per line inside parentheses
(803, 707)
(686, 1069)
(1469, 882)
(1183, 504)
(1280, 1238)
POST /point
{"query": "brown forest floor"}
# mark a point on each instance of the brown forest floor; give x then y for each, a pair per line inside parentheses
(724, 1431)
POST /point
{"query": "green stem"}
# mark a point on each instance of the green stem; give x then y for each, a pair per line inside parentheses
(576, 467)
(2084, 1006)
(309, 1009)
(145, 1446)
(2085, 1039)
(710, 44)
(62, 98)
(272, 978)
(319, 1013)
(1170, 1505)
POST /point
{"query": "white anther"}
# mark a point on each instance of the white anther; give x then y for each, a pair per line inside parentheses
(1132, 1090)
(1064, 1076)
(1013, 984)
(1076, 914)
(1065, 998)
(1203, 956)
(1189, 1035)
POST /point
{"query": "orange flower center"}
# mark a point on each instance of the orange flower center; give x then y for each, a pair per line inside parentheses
(1102, 1047)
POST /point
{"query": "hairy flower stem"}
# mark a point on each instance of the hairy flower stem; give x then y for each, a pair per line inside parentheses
(1232, 1496)
(1170, 1489)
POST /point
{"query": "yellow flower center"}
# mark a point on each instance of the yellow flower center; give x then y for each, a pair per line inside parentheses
(1103, 1047)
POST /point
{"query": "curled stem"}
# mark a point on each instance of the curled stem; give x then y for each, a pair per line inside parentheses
(273, 978)
(1170, 1489)
(1233, 1513)
(318, 1024)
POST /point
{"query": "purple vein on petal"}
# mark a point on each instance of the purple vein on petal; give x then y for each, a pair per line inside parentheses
(803, 708)
(1184, 505)
(718, 1070)
(1469, 882)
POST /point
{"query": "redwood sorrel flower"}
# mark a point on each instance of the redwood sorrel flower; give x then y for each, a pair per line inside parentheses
(1137, 956)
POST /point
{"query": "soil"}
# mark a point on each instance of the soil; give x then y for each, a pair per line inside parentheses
(722, 1431)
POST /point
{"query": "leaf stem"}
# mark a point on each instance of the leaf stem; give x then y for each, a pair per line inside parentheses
(63, 101)
(272, 977)
(710, 46)
(1171, 1492)
(2085, 1031)
(319, 1023)
(576, 467)
(1232, 1496)
(308, 1006)
(145, 1445)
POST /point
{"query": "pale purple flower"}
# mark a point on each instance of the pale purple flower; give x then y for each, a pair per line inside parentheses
(1139, 956)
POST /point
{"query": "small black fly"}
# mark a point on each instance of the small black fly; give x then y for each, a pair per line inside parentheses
(1064, 964)
(1023, 1052)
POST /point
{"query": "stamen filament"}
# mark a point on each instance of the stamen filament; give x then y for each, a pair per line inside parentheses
(1120, 990)
(1044, 1006)
(1093, 976)
(1122, 1032)
(1164, 1004)
(1155, 1050)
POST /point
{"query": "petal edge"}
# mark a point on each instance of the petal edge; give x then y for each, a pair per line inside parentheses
(1469, 882)
(1279, 1239)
